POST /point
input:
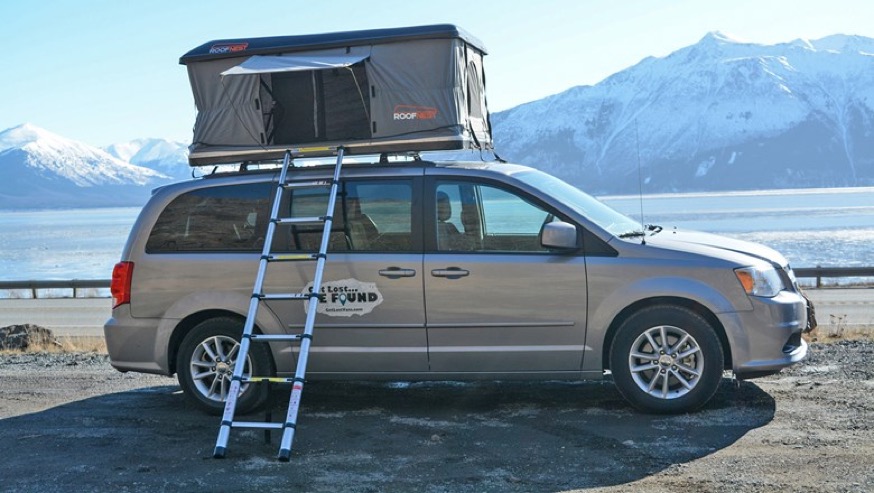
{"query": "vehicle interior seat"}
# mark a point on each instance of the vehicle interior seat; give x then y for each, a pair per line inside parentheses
(350, 230)
(447, 233)
(362, 231)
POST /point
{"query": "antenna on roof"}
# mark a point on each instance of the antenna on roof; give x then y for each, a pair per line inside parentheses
(639, 185)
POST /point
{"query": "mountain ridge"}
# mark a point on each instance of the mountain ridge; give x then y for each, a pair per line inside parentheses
(39, 169)
(166, 156)
(717, 115)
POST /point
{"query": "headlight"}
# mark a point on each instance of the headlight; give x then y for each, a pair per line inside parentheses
(758, 281)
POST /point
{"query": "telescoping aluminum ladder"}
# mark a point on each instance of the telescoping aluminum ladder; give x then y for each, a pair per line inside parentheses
(305, 338)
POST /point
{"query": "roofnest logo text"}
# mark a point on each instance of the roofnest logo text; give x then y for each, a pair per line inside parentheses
(222, 48)
(411, 112)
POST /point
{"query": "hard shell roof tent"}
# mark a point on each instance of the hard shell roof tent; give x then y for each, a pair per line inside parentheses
(383, 90)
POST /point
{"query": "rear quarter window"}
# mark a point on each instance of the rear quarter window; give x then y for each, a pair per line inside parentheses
(225, 218)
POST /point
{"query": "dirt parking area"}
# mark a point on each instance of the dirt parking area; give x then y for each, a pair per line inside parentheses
(70, 422)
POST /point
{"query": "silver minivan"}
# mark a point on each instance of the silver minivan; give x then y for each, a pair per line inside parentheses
(448, 271)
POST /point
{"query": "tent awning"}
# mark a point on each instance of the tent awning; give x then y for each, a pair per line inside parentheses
(266, 64)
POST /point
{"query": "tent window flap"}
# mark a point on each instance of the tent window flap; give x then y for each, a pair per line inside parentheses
(291, 63)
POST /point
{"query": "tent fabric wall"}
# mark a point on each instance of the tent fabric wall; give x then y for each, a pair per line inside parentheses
(420, 93)
(415, 88)
(226, 115)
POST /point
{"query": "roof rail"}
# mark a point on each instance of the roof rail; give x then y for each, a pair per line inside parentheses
(381, 159)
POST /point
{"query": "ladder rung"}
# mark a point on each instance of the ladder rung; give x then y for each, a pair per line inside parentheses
(301, 220)
(267, 379)
(257, 424)
(284, 296)
(307, 184)
(276, 337)
(292, 257)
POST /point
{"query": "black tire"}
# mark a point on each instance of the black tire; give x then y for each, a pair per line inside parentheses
(220, 336)
(684, 373)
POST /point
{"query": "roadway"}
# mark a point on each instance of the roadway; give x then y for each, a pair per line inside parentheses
(66, 317)
(851, 308)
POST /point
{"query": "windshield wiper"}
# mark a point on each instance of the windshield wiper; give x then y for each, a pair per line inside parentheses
(654, 228)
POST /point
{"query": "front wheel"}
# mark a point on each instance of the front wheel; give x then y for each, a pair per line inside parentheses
(666, 359)
(206, 361)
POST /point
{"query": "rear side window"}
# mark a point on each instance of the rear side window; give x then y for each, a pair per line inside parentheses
(369, 216)
(229, 218)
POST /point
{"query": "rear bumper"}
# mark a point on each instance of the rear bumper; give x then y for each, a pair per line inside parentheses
(132, 343)
(768, 338)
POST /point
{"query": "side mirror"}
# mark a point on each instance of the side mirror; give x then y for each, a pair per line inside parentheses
(560, 236)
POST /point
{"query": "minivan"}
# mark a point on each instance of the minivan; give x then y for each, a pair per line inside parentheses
(447, 271)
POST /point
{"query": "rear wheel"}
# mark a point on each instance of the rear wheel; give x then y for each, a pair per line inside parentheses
(666, 359)
(205, 364)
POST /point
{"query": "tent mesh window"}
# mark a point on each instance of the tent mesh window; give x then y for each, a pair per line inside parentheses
(317, 105)
(474, 95)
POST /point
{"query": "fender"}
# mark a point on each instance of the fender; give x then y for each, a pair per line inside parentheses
(605, 307)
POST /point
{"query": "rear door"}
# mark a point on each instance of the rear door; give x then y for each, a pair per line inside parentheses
(371, 317)
(496, 300)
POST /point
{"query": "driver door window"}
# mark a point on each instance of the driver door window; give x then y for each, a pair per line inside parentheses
(477, 217)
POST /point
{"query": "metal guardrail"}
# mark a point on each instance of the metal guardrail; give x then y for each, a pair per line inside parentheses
(817, 272)
(74, 284)
(833, 272)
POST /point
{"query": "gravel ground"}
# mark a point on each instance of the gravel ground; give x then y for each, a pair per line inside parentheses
(71, 422)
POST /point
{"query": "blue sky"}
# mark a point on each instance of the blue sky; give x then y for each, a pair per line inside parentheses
(106, 71)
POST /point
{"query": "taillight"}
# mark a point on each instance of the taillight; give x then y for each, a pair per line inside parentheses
(120, 285)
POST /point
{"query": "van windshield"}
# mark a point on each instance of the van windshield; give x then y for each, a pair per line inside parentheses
(596, 211)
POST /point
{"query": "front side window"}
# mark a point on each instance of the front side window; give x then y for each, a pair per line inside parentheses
(369, 216)
(226, 218)
(478, 217)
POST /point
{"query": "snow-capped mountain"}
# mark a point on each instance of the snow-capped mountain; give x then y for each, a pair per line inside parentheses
(720, 114)
(41, 169)
(168, 157)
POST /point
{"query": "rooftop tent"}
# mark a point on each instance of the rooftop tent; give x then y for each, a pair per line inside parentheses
(386, 90)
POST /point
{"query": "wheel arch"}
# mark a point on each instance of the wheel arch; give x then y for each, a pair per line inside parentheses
(667, 301)
(197, 307)
(190, 322)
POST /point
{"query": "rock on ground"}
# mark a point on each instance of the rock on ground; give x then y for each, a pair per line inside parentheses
(22, 337)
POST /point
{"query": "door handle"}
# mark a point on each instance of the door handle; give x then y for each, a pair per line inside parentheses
(450, 272)
(396, 272)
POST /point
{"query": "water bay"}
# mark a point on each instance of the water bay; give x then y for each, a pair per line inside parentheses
(828, 227)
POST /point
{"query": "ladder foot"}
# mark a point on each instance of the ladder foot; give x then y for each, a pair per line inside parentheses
(219, 453)
(284, 455)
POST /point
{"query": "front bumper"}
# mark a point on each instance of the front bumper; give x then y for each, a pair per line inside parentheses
(767, 338)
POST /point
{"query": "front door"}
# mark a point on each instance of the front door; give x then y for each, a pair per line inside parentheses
(496, 300)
